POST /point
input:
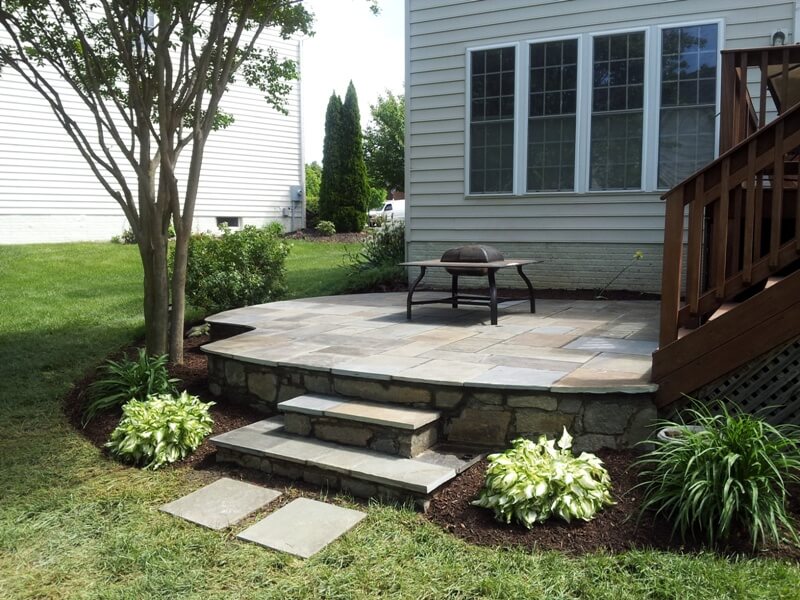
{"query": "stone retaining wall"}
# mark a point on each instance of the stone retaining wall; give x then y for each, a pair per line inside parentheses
(489, 417)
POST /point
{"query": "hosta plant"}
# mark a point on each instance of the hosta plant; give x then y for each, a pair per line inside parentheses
(126, 379)
(161, 429)
(533, 481)
(728, 475)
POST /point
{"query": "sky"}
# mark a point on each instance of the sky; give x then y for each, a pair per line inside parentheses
(350, 43)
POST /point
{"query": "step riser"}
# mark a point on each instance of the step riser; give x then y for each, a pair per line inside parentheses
(328, 479)
(388, 440)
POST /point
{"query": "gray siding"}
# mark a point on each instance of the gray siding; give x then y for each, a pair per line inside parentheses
(439, 214)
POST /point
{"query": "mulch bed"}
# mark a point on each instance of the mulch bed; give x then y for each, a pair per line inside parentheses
(338, 238)
(614, 530)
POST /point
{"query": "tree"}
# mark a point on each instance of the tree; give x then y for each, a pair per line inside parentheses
(384, 142)
(351, 214)
(313, 179)
(152, 74)
(330, 182)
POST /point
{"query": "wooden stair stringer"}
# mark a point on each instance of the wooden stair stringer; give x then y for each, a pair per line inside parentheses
(750, 329)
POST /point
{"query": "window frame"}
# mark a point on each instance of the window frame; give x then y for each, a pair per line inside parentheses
(651, 108)
(468, 118)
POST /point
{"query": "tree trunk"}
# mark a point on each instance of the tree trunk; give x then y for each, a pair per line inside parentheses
(153, 250)
(178, 294)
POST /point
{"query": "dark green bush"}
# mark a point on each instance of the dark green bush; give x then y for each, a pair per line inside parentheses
(127, 379)
(375, 265)
(312, 211)
(729, 477)
(349, 219)
(237, 268)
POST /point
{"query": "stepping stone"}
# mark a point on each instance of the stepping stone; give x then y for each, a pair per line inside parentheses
(303, 527)
(222, 503)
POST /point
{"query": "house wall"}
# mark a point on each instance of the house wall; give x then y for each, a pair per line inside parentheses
(49, 194)
(585, 239)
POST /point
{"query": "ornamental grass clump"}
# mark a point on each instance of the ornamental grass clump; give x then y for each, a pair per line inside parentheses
(532, 481)
(729, 477)
(120, 381)
(161, 429)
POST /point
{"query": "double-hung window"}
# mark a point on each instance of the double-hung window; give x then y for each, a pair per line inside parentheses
(618, 111)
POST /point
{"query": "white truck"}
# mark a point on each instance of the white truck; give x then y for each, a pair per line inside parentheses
(392, 210)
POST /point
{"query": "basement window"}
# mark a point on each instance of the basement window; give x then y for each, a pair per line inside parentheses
(229, 221)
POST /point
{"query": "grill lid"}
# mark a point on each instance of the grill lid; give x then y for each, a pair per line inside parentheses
(473, 254)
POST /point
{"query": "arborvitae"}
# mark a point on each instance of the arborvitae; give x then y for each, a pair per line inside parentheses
(330, 186)
(354, 191)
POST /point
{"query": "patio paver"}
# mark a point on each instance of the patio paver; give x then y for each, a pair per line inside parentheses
(222, 503)
(303, 527)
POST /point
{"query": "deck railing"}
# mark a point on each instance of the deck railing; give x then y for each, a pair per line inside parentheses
(757, 85)
(742, 208)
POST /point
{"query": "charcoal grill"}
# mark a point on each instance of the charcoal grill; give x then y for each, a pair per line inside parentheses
(470, 261)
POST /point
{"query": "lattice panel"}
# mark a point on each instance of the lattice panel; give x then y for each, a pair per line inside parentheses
(768, 386)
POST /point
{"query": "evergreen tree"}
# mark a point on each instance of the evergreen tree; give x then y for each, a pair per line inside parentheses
(351, 214)
(330, 184)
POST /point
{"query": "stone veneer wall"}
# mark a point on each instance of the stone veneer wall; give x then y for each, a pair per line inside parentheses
(488, 417)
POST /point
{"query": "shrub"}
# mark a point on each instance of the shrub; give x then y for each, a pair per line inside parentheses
(348, 219)
(237, 268)
(161, 429)
(312, 211)
(326, 228)
(533, 481)
(127, 237)
(375, 265)
(729, 477)
(126, 379)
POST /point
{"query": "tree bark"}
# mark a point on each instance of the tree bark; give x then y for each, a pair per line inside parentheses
(153, 251)
(178, 315)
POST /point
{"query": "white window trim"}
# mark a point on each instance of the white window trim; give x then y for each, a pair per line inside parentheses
(468, 118)
(583, 116)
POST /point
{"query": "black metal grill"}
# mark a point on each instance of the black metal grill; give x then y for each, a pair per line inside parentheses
(471, 254)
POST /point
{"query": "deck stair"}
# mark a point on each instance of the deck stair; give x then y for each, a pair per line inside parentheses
(366, 449)
(737, 223)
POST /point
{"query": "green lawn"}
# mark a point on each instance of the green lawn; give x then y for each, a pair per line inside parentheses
(74, 524)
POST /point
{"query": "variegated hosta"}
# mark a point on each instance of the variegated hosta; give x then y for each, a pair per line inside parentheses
(532, 481)
(161, 429)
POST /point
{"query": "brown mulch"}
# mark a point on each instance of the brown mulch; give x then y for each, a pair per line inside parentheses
(339, 238)
(614, 530)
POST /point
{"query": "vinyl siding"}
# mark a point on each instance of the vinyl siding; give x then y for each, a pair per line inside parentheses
(45, 183)
(439, 32)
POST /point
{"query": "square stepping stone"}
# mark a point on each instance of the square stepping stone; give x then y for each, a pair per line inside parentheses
(303, 527)
(222, 503)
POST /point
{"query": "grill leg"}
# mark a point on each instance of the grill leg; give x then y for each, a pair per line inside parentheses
(493, 296)
(454, 291)
(411, 292)
(530, 287)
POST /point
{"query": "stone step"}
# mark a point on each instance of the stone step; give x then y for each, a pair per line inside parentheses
(395, 430)
(267, 446)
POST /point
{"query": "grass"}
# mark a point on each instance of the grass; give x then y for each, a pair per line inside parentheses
(74, 524)
(316, 268)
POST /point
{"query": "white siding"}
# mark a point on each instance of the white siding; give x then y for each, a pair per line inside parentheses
(439, 214)
(48, 193)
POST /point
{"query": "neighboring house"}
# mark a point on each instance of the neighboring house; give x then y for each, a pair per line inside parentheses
(551, 129)
(252, 171)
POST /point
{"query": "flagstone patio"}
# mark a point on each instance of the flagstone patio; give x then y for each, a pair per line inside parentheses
(567, 346)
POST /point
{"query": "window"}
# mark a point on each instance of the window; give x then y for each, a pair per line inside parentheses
(491, 134)
(687, 125)
(229, 221)
(387, 207)
(552, 109)
(624, 110)
(617, 112)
